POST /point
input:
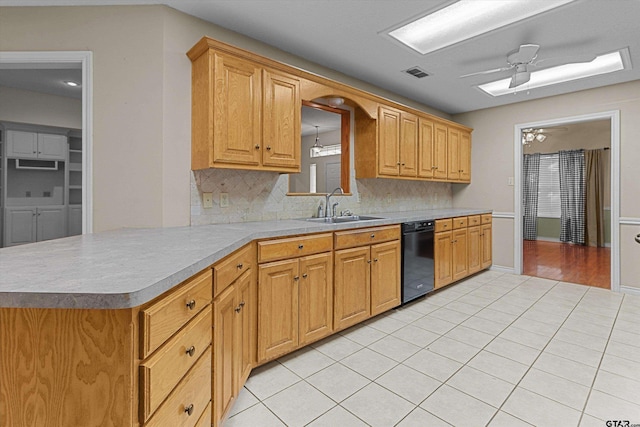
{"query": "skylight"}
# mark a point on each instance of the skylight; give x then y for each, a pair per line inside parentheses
(465, 19)
(603, 64)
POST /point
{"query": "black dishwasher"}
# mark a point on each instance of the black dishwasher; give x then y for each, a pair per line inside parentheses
(417, 259)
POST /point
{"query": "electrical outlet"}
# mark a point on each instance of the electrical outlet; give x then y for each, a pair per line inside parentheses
(207, 200)
(510, 181)
(224, 200)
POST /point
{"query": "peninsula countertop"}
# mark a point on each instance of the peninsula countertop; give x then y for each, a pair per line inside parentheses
(129, 267)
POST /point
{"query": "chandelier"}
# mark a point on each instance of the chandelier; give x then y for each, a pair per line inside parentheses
(531, 135)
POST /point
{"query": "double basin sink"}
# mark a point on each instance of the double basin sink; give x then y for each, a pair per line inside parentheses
(341, 219)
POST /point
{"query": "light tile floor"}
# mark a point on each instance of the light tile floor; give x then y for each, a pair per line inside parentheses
(496, 349)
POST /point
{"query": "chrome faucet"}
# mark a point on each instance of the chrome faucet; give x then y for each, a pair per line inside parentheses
(327, 210)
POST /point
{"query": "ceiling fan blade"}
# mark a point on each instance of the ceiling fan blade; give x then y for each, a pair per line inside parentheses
(524, 54)
(560, 60)
(495, 70)
(519, 78)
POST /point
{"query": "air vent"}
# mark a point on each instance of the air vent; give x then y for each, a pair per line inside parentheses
(417, 72)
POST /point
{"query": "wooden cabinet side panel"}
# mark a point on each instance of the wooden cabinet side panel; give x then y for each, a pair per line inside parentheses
(202, 112)
(315, 297)
(426, 148)
(385, 277)
(352, 296)
(62, 367)
(366, 137)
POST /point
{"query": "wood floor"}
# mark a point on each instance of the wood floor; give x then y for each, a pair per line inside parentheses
(586, 265)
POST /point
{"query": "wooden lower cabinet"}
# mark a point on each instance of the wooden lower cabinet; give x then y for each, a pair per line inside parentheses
(486, 245)
(385, 276)
(352, 301)
(474, 253)
(459, 269)
(443, 274)
(295, 303)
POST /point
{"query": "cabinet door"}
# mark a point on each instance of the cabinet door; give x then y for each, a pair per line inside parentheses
(282, 120)
(459, 254)
(52, 147)
(465, 156)
(23, 145)
(245, 290)
(277, 308)
(385, 276)
(224, 343)
(408, 145)
(352, 296)
(453, 154)
(236, 111)
(475, 249)
(426, 148)
(388, 141)
(316, 297)
(442, 259)
(74, 219)
(20, 226)
(51, 223)
(486, 246)
(440, 152)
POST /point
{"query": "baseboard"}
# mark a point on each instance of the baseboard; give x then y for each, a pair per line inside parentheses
(502, 269)
(630, 290)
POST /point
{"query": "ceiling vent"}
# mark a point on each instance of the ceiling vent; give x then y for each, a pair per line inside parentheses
(416, 72)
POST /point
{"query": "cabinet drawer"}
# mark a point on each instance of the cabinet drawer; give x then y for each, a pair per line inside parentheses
(230, 268)
(486, 218)
(459, 222)
(189, 399)
(160, 374)
(365, 236)
(473, 220)
(444, 225)
(167, 315)
(272, 250)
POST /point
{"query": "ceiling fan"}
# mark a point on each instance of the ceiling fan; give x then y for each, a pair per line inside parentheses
(524, 58)
(539, 134)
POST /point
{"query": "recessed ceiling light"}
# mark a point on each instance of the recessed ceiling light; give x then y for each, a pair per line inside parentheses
(603, 64)
(465, 19)
(71, 83)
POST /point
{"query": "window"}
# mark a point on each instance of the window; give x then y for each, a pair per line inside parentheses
(549, 187)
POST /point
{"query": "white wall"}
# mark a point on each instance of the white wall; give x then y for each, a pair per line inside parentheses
(493, 163)
(23, 106)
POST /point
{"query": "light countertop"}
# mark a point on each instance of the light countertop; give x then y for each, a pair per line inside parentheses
(129, 267)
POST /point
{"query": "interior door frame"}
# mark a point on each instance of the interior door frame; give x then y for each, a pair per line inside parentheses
(614, 117)
(60, 59)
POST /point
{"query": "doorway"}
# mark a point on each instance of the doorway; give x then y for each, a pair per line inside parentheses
(75, 161)
(540, 250)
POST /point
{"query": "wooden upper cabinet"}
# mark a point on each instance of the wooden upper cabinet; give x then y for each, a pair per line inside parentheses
(388, 141)
(440, 152)
(464, 156)
(453, 154)
(408, 145)
(459, 155)
(237, 107)
(426, 145)
(281, 124)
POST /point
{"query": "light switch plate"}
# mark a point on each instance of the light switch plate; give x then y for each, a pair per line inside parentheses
(224, 200)
(207, 200)
(510, 181)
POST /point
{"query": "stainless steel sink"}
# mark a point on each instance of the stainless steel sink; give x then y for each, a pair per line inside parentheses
(341, 219)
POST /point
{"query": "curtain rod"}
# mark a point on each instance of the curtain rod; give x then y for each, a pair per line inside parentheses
(548, 154)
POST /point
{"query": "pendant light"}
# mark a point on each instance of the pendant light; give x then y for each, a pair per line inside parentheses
(317, 146)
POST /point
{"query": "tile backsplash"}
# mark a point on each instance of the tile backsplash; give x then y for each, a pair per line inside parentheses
(262, 196)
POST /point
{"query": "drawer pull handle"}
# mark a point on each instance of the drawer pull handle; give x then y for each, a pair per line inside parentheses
(373, 235)
(191, 304)
(240, 266)
(300, 246)
(191, 351)
(189, 409)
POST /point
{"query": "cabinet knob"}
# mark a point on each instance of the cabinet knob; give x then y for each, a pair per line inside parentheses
(257, 146)
(296, 278)
(304, 276)
(240, 266)
(191, 304)
(368, 261)
(373, 235)
(268, 148)
(189, 409)
(237, 309)
(403, 164)
(375, 260)
(398, 163)
(242, 304)
(300, 246)
(191, 351)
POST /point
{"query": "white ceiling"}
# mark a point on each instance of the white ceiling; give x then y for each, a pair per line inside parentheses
(348, 36)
